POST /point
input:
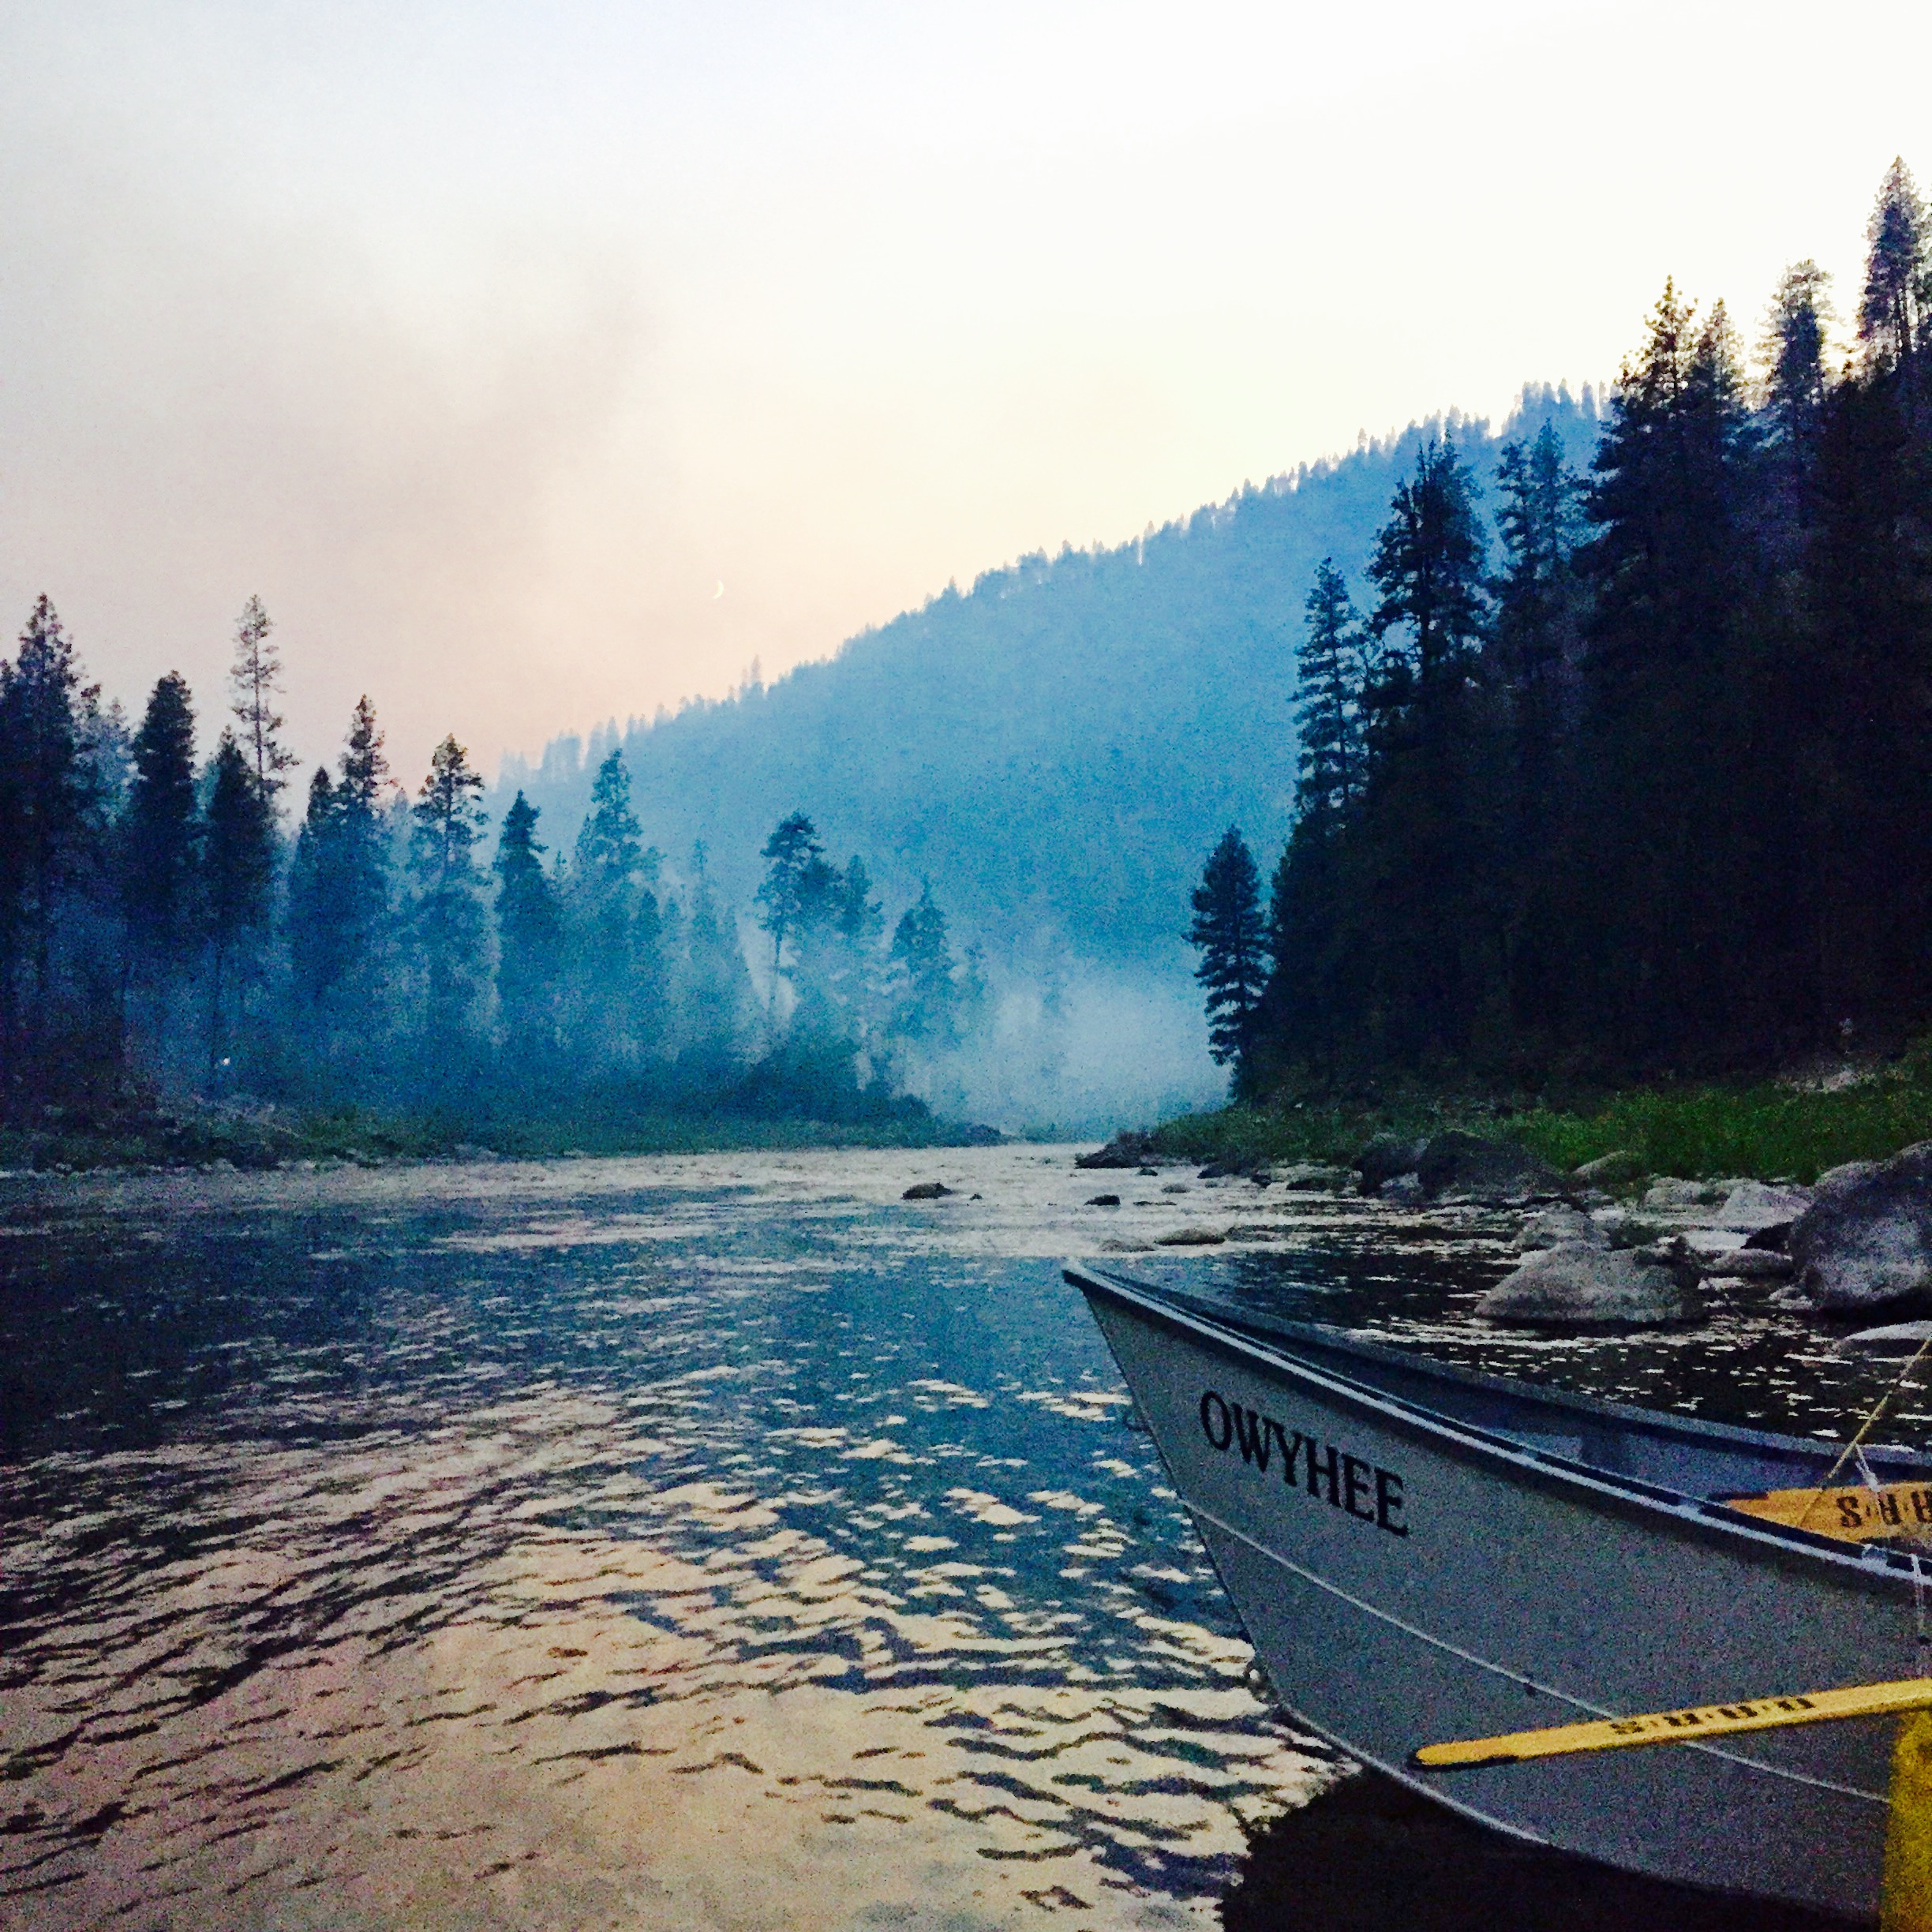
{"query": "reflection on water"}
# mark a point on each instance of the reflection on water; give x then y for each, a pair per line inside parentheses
(670, 1543)
(674, 1558)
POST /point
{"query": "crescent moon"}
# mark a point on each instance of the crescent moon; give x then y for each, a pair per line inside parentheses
(719, 592)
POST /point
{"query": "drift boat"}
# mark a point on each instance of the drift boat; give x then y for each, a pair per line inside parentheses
(1418, 1552)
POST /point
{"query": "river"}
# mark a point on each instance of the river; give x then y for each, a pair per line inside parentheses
(689, 1542)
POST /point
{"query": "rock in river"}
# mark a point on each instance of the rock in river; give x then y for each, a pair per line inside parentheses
(928, 1190)
(1753, 1208)
(1458, 1167)
(1383, 1159)
(1560, 1227)
(1902, 1340)
(1589, 1288)
(1867, 1241)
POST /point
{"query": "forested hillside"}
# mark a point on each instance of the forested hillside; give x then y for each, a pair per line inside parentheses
(1059, 744)
(1631, 776)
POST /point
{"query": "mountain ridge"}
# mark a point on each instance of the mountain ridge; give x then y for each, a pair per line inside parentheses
(1055, 747)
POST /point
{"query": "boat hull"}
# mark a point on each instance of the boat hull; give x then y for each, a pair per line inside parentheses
(1405, 1581)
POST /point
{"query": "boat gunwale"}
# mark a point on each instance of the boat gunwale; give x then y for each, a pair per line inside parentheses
(1657, 1422)
(1877, 1570)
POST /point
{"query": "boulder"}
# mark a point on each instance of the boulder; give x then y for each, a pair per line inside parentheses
(1748, 1264)
(1383, 1159)
(1313, 1177)
(1191, 1237)
(1128, 1148)
(1104, 1200)
(1865, 1241)
(928, 1190)
(1589, 1288)
(1618, 1169)
(1621, 1229)
(1404, 1191)
(1559, 1227)
(1671, 1196)
(1458, 1167)
(1705, 1242)
(1751, 1207)
(1901, 1340)
(1843, 1178)
(1219, 1170)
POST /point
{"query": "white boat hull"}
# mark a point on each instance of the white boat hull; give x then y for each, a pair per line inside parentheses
(1405, 1581)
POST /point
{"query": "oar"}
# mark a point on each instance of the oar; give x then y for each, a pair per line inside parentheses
(1675, 1727)
(1906, 1892)
(1853, 1515)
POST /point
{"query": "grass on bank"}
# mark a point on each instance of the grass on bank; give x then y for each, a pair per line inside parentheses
(262, 1138)
(1769, 1130)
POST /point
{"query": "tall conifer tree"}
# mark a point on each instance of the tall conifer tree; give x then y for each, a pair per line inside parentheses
(256, 679)
(529, 938)
(1228, 932)
(158, 834)
(447, 917)
(238, 879)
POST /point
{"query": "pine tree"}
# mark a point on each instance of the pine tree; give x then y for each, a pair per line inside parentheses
(1329, 674)
(314, 939)
(605, 885)
(158, 834)
(363, 901)
(796, 864)
(529, 939)
(1228, 932)
(340, 899)
(1533, 663)
(1674, 565)
(237, 877)
(448, 919)
(256, 679)
(928, 992)
(858, 924)
(717, 989)
(1429, 566)
(1892, 315)
(1796, 384)
(47, 801)
(1424, 940)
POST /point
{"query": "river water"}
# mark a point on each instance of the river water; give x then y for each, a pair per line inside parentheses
(708, 1541)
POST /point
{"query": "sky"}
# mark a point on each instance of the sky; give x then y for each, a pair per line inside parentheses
(537, 365)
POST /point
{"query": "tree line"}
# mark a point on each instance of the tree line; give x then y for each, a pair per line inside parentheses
(1641, 785)
(164, 927)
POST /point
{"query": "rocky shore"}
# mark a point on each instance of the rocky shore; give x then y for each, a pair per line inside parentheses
(1610, 1246)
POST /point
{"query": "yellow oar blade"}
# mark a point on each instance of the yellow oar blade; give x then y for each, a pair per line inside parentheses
(1853, 1515)
(1678, 1726)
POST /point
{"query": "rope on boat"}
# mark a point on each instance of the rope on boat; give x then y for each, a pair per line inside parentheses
(1855, 1446)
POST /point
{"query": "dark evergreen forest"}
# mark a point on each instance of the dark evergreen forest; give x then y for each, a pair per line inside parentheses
(1639, 781)
(169, 926)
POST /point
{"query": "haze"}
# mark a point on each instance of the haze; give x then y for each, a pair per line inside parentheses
(489, 344)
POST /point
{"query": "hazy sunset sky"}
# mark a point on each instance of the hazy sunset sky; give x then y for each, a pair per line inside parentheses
(486, 342)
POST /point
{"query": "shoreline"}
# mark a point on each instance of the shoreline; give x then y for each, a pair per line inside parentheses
(193, 1138)
(1789, 1129)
